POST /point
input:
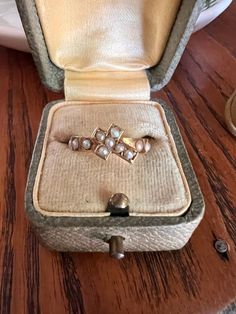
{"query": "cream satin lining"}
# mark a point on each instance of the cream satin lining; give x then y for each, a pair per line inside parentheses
(106, 85)
(106, 36)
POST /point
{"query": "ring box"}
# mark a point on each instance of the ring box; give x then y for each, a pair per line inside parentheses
(108, 56)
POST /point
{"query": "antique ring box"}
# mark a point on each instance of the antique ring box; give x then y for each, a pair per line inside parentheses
(108, 56)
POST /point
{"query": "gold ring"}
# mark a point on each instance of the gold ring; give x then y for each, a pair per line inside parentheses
(104, 143)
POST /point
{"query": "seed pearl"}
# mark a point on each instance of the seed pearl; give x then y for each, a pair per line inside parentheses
(115, 132)
(128, 154)
(147, 147)
(100, 136)
(139, 145)
(86, 143)
(119, 148)
(74, 143)
(103, 151)
(110, 142)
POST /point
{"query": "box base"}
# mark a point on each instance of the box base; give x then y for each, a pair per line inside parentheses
(145, 233)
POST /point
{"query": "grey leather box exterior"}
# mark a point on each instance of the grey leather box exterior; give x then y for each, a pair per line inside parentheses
(92, 234)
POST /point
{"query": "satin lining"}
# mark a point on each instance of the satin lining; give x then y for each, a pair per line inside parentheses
(106, 86)
(106, 36)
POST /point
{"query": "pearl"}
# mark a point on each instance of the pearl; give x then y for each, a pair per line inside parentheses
(100, 136)
(119, 148)
(115, 132)
(74, 143)
(86, 143)
(110, 142)
(103, 151)
(139, 145)
(128, 154)
(147, 147)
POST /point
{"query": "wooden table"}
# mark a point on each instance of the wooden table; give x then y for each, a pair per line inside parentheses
(196, 279)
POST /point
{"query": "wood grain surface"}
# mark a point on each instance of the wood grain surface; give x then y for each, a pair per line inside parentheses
(196, 279)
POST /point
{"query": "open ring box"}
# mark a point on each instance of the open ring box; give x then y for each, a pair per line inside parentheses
(108, 56)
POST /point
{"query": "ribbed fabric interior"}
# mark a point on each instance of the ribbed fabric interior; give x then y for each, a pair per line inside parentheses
(80, 183)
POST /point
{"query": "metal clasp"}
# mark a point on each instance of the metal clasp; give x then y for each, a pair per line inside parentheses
(118, 205)
(116, 247)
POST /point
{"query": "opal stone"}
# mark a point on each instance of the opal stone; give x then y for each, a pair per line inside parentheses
(115, 132)
(109, 142)
(147, 147)
(119, 148)
(100, 136)
(86, 143)
(139, 145)
(74, 143)
(128, 154)
(103, 151)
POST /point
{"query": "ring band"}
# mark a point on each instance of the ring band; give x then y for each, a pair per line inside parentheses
(104, 143)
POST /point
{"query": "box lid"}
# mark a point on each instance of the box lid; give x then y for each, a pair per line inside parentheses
(158, 73)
